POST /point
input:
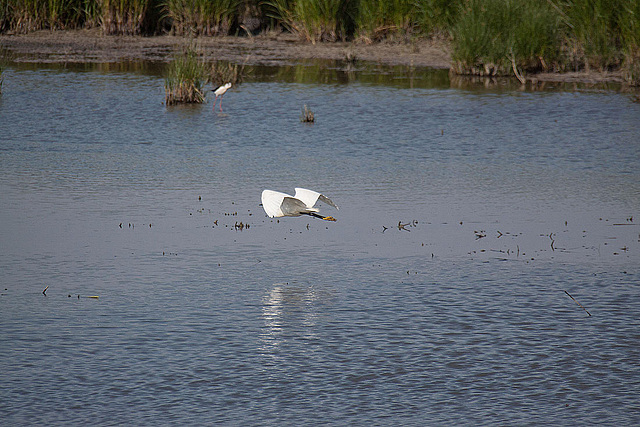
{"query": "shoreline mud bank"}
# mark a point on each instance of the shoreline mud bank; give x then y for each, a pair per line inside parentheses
(82, 46)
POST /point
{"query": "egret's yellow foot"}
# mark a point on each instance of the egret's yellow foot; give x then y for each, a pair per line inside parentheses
(329, 218)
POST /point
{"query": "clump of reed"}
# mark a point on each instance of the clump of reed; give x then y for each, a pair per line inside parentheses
(113, 16)
(307, 115)
(630, 35)
(313, 20)
(436, 17)
(186, 77)
(603, 35)
(124, 16)
(493, 37)
(497, 37)
(222, 72)
(5, 57)
(380, 19)
(23, 16)
(593, 36)
(200, 17)
(631, 67)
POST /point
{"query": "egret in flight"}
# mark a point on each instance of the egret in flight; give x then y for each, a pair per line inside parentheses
(277, 204)
(218, 93)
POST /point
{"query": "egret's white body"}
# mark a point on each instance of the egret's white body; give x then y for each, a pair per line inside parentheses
(219, 92)
(277, 204)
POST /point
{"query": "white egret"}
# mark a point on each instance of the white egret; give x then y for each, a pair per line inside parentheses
(219, 92)
(277, 204)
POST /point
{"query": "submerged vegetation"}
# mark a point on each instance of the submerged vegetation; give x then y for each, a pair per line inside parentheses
(186, 77)
(488, 37)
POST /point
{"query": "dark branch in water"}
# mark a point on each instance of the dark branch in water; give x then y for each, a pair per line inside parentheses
(402, 226)
(577, 302)
(45, 291)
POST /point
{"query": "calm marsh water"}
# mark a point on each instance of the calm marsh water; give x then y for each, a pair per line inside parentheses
(438, 296)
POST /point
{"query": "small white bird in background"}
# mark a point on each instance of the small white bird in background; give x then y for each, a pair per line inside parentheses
(277, 204)
(218, 93)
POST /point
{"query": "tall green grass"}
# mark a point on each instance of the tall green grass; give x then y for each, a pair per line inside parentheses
(377, 19)
(495, 37)
(630, 32)
(488, 36)
(200, 17)
(186, 77)
(594, 34)
(23, 16)
(314, 20)
(124, 16)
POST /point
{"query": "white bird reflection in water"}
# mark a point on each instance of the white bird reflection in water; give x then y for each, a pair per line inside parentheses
(290, 312)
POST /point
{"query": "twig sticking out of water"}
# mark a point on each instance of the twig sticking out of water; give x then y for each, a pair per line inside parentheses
(519, 76)
(577, 303)
(402, 226)
(307, 115)
(45, 291)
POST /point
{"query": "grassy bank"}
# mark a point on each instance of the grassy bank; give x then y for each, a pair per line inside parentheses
(497, 37)
(489, 37)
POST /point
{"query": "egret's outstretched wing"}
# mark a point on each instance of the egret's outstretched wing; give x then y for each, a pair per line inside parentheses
(328, 201)
(310, 197)
(271, 202)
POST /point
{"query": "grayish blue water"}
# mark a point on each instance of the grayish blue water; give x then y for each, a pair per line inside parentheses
(438, 296)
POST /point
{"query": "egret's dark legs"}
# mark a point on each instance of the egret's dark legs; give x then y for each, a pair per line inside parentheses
(326, 218)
